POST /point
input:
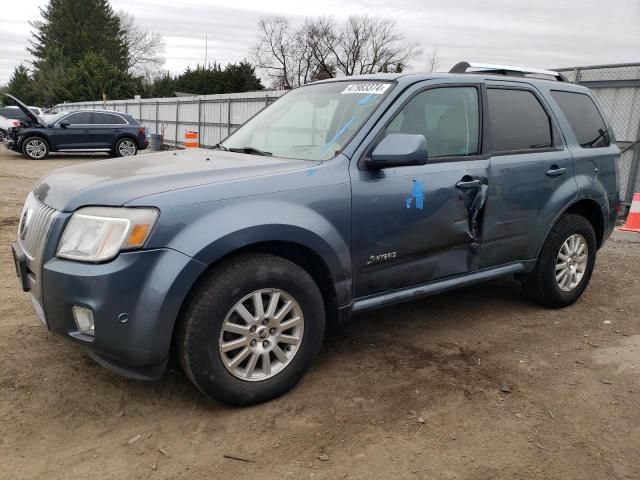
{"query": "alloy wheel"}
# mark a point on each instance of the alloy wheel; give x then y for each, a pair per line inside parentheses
(35, 148)
(261, 335)
(571, 263)
(126, 148)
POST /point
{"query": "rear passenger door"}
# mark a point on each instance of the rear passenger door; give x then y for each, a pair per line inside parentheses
(105, 129)
(532, 175)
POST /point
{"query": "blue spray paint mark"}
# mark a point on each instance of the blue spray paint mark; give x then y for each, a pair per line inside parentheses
(365, 99)
(337, 136)
(417, 194)
(311, 171)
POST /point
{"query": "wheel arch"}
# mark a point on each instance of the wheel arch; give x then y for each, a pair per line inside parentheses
(297, 253)
(587, 208)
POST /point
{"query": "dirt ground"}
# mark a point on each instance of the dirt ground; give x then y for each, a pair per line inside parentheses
(412, 391)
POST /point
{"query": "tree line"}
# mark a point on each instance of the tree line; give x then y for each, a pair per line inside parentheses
(84, 50)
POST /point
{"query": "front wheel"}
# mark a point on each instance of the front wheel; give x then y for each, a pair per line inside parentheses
(251, 329)
(565, 263)
(35, 148)
(125, 147)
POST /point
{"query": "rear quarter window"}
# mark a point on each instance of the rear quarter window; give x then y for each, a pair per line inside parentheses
(584, 118)
(100, 118)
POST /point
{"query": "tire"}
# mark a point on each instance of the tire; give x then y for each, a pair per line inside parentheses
(542, 284)
(211, 312)
(35, 148)
(125, 147)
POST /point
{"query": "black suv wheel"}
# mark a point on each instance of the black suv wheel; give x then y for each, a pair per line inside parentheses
(565, 263)
(251, 329)
(125, 147)
(36, 148)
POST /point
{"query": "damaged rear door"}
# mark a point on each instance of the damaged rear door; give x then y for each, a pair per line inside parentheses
(415, 224)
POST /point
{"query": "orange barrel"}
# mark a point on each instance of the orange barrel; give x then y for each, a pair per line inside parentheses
(190, 139)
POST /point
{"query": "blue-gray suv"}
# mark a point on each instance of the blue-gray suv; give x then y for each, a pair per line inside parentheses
(343, 196)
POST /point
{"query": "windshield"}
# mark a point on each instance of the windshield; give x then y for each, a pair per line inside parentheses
(310, 123)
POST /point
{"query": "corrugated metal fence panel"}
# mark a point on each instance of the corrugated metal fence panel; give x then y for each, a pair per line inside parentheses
(207, 114)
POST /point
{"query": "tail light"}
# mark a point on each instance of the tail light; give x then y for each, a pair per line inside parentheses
(15, 123)
(142, 131)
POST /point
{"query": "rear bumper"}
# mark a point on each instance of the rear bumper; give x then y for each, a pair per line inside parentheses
(143, 143)
(146, 287)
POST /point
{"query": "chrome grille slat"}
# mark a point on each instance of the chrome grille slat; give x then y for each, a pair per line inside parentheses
(37, 226)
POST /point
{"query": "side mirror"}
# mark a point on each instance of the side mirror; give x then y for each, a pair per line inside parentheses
(64, 123)
(399, 150)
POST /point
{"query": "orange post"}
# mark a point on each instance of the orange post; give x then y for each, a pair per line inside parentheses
(190, 139)
(633, 219)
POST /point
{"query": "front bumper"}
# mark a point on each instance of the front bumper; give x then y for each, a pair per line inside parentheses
(146, 287)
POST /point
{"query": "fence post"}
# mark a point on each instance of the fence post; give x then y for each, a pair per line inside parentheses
(228, 117)
(200, 142)
(157, 108)
(634, 170)
(177, 118)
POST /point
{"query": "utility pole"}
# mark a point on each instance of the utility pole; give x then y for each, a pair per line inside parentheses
(206, 47)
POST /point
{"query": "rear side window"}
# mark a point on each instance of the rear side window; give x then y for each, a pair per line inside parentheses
(80, 118)
(518, 121)
(107, 119)
(583, 116)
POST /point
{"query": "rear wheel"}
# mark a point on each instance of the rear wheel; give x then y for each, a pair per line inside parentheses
(125, 147)
(36, 148)
(251, 329)
(565, 263)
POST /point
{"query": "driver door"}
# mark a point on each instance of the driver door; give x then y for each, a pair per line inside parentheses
(415, 224)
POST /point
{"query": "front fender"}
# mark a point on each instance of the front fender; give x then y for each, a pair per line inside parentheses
(316, 218)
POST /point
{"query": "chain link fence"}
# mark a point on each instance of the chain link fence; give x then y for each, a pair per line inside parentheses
(617, 88)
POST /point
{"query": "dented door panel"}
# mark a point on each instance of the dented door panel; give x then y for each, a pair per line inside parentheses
(413, 224)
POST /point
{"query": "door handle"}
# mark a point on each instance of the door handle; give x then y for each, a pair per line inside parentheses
(86, 130)
(465, 184)
(556, 171)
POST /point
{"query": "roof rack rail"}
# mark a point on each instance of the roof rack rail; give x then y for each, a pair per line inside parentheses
(507, 70)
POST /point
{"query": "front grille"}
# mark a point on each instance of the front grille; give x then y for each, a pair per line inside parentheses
(34, 224)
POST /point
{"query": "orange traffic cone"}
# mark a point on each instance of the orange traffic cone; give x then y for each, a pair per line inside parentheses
(633, 219)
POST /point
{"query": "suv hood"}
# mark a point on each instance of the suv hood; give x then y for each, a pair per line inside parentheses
(32, 116)
(115, 182)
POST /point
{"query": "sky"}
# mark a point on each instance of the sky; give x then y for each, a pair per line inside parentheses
(535, 33)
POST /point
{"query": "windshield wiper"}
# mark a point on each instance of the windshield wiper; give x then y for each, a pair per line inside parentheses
(251, 151)
(218, 146)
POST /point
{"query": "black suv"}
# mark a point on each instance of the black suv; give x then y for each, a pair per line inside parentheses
(116, 133)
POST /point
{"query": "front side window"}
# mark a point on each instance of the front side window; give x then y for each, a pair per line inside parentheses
(80, 118)
(310, 123)
(583, 116)
(518, 121)
(448, 117)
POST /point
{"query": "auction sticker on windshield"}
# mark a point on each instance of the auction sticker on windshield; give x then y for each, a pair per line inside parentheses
(372, 88)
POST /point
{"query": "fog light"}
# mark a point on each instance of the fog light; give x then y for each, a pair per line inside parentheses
(84, 320)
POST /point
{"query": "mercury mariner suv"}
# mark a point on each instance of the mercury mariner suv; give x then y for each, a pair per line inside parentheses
(343, 196)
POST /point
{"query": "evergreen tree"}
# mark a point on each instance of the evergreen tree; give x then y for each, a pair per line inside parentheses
(21, 85)
(79, 27)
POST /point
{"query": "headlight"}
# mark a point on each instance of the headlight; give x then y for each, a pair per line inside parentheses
(95, 234)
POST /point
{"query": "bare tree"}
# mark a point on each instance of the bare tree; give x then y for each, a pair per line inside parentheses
(433, 61)
(146, 49)
(321, 48)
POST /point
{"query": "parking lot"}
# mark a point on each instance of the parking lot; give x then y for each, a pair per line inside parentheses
(473, 384)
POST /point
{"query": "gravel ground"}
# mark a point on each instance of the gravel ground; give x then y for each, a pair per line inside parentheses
(412, 391)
